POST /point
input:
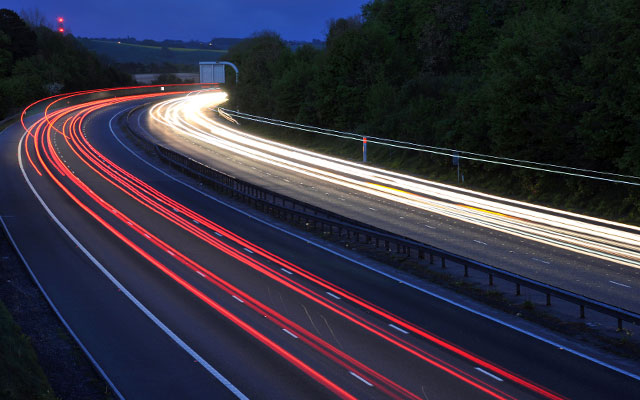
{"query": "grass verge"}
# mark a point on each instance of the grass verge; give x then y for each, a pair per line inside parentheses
(21, 376)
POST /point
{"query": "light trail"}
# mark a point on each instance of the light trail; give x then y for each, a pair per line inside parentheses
(595, 237)
(187, 219)
(44, 135)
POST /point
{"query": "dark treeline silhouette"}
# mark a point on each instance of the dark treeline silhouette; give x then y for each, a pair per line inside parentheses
(36, 62)
(553, 81)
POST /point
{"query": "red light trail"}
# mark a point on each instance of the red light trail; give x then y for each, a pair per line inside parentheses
(48, 160)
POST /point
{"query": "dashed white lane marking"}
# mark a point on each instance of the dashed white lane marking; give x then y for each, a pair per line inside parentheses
(620, 284)
(477, 241)
(195, 222)
(539, 260)
(288, 332)
(437, 296)
(333, 295)
(218, 233)
(248, 251)
(286, 180)
(489, 374)
(361, 379)
(147, 236)
(372, 209)
(430, 227)
(238, 298)
(399, 329)
(287, 271)
(170, 252)
(201, 274)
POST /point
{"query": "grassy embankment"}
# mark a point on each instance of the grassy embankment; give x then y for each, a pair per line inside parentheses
(21, 376)
(135, 53)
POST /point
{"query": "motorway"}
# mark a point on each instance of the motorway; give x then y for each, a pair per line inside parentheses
(592, 257)
(176, 295)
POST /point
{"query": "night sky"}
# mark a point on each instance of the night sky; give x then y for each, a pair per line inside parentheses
(192, 19)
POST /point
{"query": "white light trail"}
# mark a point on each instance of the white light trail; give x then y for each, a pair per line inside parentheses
(586, 235)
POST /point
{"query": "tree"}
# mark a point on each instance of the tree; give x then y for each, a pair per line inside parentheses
(23, 40)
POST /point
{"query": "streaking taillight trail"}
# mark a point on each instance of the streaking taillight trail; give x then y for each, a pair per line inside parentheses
(48, 161)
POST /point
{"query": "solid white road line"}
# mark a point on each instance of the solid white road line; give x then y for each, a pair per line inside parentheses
(60, 317)
(370, 268)
(124, 290)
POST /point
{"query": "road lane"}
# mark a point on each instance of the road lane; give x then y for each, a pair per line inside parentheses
(242, 363)
(573, 271)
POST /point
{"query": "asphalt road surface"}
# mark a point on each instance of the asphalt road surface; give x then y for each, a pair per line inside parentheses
(179, 296)
(567, 251)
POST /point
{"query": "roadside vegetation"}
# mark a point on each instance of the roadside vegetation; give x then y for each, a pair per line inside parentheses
(550, 81)
(121, 52)
(21, 376)
(36, 62)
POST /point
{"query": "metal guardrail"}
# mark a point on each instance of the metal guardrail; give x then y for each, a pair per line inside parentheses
(314, 217)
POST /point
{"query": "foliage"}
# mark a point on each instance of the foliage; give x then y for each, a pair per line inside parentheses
(121, 52)
(554, 81)
(36, 62)
(21, 376)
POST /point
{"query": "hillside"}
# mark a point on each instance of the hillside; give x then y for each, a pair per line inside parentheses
(121, 52)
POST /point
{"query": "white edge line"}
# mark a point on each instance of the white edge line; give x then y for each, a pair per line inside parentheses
(361, 379)
(425, 291)
(60, 317)
(489, 374)
(130, 296)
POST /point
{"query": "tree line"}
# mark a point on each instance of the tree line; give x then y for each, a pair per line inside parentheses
(36, 62)
(550, 81)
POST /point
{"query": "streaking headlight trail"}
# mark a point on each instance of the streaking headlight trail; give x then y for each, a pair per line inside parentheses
(595, 237)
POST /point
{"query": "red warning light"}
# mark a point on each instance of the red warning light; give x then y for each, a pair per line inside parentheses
(60, 19)
(61, 30)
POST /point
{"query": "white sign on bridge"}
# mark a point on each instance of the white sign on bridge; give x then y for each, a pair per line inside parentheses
(211, 72)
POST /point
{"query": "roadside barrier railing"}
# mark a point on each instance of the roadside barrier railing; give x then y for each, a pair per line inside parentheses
(350, 230)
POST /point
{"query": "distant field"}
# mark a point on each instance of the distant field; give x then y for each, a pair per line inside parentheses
(124, 52)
